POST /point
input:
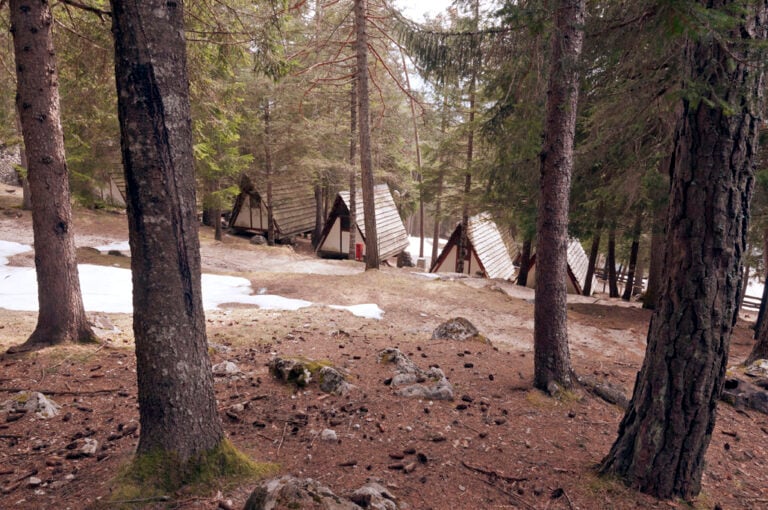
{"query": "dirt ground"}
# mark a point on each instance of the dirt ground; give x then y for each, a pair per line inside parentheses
(499, 444)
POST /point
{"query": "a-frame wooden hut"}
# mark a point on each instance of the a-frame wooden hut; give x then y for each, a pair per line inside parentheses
(393, 238)
(578, 263)
(293, 208)
(487, 254)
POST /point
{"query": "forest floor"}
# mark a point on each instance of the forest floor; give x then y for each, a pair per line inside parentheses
(499, 444)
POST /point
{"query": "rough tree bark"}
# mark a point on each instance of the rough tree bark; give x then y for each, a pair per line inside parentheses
(177, 405)
(552, 362)
(665, 433)
(363, 110)
(62, 316)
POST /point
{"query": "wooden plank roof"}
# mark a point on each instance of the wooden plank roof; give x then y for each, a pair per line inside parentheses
(488, 244)
(393, 238)
(293, 204)
(578, 263)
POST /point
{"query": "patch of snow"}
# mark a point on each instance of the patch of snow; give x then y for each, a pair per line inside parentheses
(428, 276)
(9, 249)
(367, 310)
(110, 289)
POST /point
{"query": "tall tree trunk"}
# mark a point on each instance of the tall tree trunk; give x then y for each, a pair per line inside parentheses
(268, 169)
(462, 248)
(668, 426)
(318, 231)
(552, 363)
(744, 280)
(638, 286)
(610, 263)
(62, 316)
(353, 171)
(363, 110)
(633, 251)
(177, 405)
(440, 179)
(764, 298)
(593, 251)
(760, 349)
(26, 198)
(656, 264)
(525, 263)
(417, 146)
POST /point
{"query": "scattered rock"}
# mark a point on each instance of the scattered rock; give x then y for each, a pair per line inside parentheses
(758, 369)
(225, 368)
(34, 481)
(291, 370)
(30, 401)
(741, 393)
(460, 330)
(332, 381)
(329, 435)
(90, 447)
(101, 322)
(302, 371)
(375, 496)
(291, 492)
(259, 240)
(408, 373)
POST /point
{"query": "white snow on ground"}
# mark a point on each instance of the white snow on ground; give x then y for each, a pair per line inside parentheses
(367, 310)
(414, 243)
(109, 289)
(121, 246)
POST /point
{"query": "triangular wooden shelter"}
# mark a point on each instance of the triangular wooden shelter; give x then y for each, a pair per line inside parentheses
(393, 238)
(487, 254)
(293, 208)
(578, 263)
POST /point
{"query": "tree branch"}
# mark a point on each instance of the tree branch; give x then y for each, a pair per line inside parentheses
(95, 10)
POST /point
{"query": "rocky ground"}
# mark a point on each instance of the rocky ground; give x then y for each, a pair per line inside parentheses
(498, 444)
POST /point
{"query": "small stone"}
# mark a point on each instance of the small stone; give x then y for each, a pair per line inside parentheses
(409, 468)
(34, 481)
(225, 368)
(90, 447)
(329, 435)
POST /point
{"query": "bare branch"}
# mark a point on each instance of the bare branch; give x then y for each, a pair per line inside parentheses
(95, 10)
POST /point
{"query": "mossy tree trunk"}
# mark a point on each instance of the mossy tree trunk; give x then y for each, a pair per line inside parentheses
(62, 315)
(177, 405)
(552, 363)
(667, 428)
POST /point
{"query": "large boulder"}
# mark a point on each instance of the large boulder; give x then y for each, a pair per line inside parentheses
(460, 330)
(303, 371)
(289, 492)
(33, 402)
